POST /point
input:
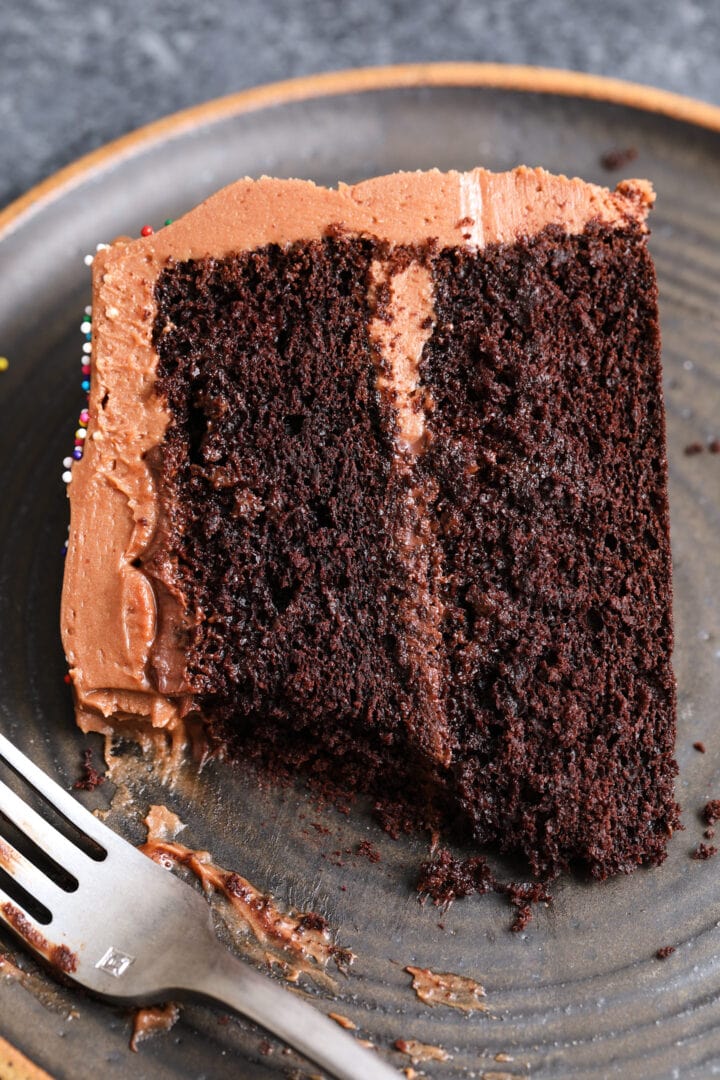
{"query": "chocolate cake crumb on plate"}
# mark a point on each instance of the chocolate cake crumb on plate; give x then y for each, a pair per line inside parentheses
(91, 777)
(703, 852)
(618, 158)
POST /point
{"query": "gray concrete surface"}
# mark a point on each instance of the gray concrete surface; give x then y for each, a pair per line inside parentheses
(74, 75)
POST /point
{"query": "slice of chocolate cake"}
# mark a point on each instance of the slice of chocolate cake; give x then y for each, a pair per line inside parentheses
(375, 487)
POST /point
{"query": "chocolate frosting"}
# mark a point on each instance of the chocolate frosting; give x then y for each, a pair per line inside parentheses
(109, 608)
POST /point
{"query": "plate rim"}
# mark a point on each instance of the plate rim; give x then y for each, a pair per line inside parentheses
(495, 76)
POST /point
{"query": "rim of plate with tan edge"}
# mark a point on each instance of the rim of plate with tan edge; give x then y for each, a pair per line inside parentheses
(521, 78)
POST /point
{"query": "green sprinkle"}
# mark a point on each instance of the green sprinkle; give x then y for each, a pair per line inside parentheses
(168, 221)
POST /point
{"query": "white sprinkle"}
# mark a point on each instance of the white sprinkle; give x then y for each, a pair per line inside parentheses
(67, 463)
(87, 347)
(88, 260)
(85, 327)
(688, 365)
(66, 477)
(81, 433)
(88, 309)
(101, 247)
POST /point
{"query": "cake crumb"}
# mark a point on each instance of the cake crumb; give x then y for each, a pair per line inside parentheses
(703, 852)
(711, 811)
(444, 879)
(504, 1058)
(92, 777)
(694, 448)
(368, 851)
(667, 950)
(618, 157)
(714, 446)
(523, 895)
(709, 834)
(699, 746)
(265, 1048)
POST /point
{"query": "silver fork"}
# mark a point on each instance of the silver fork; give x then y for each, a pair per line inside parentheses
(132, 932)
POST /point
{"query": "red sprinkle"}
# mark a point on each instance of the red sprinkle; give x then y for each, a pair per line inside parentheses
(66, 678)
(85, 369)
(147, 230)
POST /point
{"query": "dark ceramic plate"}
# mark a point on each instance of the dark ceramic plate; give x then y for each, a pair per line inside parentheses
(580, 994)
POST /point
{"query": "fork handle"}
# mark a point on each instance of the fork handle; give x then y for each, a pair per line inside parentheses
(235, 984)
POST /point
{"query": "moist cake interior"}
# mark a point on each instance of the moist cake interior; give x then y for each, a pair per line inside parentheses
(528, 668)
(409, 529)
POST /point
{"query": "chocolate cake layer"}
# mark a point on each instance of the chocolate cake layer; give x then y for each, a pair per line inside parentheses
(548, 451)
(537, 497)
(281, 502)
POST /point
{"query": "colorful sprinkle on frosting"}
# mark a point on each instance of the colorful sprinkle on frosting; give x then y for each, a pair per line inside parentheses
(85, 368)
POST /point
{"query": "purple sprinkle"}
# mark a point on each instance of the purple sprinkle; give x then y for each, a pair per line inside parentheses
(77, 453)
(63, 549)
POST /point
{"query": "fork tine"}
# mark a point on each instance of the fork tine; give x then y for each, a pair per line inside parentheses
(42, 833)
(32, 933)
(26, 874)
(68, 806)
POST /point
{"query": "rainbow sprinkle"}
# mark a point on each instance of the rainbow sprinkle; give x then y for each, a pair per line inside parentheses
(85, 370)
(84, 418)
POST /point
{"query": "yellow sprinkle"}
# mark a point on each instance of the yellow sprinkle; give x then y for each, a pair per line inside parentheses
(4, 363)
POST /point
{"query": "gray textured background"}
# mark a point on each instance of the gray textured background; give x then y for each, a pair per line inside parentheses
(74, 74)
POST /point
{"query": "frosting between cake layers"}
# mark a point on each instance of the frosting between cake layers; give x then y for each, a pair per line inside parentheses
(109, 609)
(399, 331)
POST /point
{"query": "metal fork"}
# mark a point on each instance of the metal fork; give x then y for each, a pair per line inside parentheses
(132, 932)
